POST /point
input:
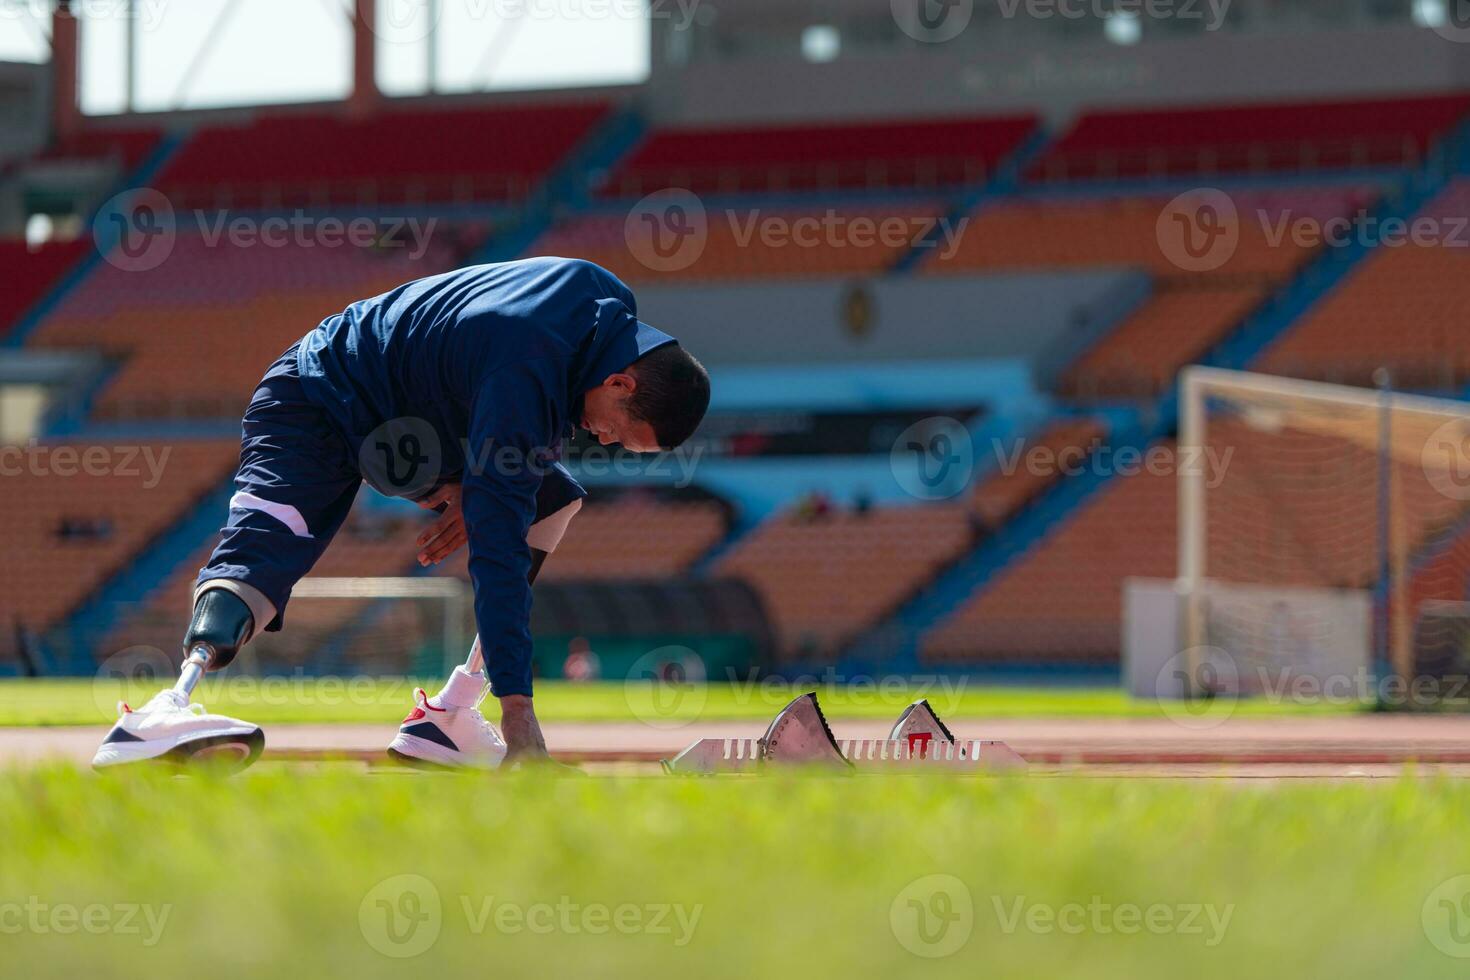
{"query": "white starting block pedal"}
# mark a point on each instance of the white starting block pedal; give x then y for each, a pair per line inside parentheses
(800, 737)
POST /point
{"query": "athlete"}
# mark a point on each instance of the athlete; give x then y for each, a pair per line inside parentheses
(455, 391)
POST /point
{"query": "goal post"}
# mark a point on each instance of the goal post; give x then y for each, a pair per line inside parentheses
(1294, 495)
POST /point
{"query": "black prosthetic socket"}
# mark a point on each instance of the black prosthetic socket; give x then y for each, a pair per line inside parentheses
(222, 622)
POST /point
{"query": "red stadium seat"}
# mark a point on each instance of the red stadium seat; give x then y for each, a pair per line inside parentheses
(926, 153)
(1303, 137)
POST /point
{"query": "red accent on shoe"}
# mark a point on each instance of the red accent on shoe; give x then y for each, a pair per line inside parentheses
(414, 715)
(424, 700)
(126, 710)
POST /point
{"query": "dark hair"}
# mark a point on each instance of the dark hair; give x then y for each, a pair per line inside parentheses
(672, 394)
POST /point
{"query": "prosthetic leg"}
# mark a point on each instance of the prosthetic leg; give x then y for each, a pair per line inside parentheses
(168, 728)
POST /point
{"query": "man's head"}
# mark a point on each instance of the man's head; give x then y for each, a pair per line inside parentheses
(655, 403)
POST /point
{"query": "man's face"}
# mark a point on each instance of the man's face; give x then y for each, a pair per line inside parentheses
(605, 415)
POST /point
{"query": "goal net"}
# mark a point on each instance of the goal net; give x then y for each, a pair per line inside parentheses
(415, 626)
(1321, 527)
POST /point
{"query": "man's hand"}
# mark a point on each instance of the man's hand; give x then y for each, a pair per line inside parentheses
(446, 535)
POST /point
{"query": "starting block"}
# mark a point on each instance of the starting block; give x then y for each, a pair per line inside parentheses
(800, 736)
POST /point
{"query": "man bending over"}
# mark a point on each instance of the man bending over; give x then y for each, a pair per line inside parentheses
(455, 391)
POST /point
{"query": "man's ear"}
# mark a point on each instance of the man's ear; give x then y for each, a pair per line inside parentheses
(623, 381)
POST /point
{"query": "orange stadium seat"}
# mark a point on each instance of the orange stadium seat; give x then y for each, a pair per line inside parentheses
(733, 250)
(194, 335)
(1188, 313)
(626, 538)
(825, 579)
(1290, 511)
(1062, 600)
(114, 507)
(1404, 309)
(1002, 495)
(1143, 354)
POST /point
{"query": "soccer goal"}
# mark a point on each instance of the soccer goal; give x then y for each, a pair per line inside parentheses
(1322, 528)
(388, 625)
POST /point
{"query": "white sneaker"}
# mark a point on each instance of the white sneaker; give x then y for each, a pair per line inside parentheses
(168, 726)
(454, 738)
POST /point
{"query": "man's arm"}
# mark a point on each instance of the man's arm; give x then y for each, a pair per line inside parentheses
(510, 428)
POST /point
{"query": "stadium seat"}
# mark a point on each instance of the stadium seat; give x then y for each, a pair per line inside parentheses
(194, 335)
(927, 153)
(313, 159)
(733, 251)
(1403, 308)
(1002, 495)
(824, 579)
(1189, 311)
(1302, 137)
(30, 272)
(73, 523)
(1301, 498)
(629, 537)
(126, 147)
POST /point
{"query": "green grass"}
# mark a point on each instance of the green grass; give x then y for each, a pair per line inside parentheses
(291, 872)
(384, 700)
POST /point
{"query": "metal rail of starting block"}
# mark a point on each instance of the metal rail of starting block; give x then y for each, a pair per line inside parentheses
(800, 737)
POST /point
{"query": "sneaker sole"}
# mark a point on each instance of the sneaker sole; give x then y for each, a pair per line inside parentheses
(231, 749)
(420, 753)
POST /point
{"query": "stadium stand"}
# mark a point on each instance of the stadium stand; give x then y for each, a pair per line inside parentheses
(31, 271)
(629, 536)
(1302, 137)
(1143, 355)
(1061, 601)
(925, 153)
(1065, 443)
(1189, 312)
(735, 247)
(74, 516)
(824, 578)
(194, 335)
(489, 154)
(1305, 502)
(125, 147)
(1404, 308)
